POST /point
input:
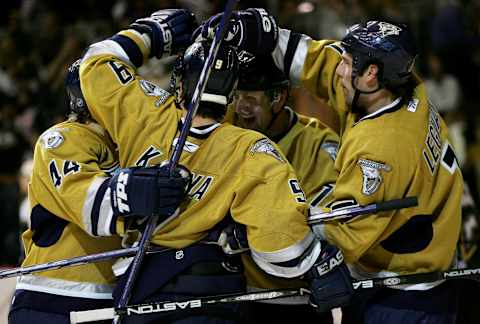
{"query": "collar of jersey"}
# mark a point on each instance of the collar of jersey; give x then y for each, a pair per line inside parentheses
(200, 132)
(395, 105)
(293, 118)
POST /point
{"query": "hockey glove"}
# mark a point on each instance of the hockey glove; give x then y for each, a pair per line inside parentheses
(231, 238)
(169, 30)
(330, 283)
(144, 192)
(253, 30)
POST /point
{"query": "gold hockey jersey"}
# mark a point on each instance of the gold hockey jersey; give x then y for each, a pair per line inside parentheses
(235, 171)
(71, 162)
(311, 148)
(398, 151)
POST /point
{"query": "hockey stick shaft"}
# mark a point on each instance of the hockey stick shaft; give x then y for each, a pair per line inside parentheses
(317, 215)
(168, 306)
(191, 111)
(163, 307)
(76, 261)
(201, 84)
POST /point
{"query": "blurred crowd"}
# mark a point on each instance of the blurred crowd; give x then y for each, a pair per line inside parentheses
(39, 39)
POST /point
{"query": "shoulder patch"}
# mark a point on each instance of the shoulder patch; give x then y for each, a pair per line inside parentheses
(52, 139)
(266, 146)
(372, 177)
(151, 89)
(331, 148)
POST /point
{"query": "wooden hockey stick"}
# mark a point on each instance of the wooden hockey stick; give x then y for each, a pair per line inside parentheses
(170, 306)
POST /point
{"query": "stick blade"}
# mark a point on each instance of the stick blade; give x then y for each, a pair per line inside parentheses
(92, 315)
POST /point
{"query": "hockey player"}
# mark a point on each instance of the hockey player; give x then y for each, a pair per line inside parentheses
(72, 214)
(236, 172)
(394, 144)
(260, 104)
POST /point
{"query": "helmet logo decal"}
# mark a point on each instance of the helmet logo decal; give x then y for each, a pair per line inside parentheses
(372, 178)
(384, 28)
(232, 32)
(265, 146)
(151, 89)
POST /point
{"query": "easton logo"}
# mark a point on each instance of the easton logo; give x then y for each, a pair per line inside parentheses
(164, 307)
(121, 193)
(457, 273)
(365, 284)
(331, 264)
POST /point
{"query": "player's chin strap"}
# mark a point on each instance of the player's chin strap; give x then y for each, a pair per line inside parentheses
(358, 92)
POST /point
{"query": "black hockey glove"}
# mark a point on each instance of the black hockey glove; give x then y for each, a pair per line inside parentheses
(330, 282)
(231, 238)
(170, 30)
(148, 191)
(253, 30)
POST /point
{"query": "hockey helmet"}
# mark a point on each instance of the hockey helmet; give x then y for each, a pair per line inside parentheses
(390, 46)
(223, 77)
(77, 103)
(259, 73)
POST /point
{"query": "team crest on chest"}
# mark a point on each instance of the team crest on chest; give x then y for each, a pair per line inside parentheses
(372, 177)
(265, 146)
(52, 139)
(151, 89)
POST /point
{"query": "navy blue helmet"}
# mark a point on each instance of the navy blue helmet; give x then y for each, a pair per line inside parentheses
(77, 103)
(388, 45)
(223, 77)
(259, 73)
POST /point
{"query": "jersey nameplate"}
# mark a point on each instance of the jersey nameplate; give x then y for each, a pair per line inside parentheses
(372, 178)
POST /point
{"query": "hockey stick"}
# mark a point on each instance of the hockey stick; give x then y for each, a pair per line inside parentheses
(317, 215)
(169, 306)
(193, 106)
(76, 261)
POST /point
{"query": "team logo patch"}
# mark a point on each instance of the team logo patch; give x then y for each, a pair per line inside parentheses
(331, 148)
(265, 146)
(52, 139)
(372, 178)
(151, 89)
(386, 29)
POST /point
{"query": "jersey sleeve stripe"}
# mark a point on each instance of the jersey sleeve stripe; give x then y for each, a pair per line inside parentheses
(131, 48)
(287, 268)
(300, 50)
(92, 206)
(102, 213)
(108, 47)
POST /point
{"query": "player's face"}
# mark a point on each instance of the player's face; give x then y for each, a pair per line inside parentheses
(253, 109)
(344, 71)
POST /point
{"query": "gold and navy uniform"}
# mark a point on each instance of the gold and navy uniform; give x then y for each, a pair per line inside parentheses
(400, 150)
(311, 148)
(235, 171)
(72, 164)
